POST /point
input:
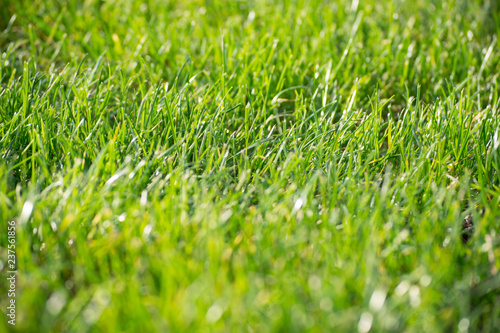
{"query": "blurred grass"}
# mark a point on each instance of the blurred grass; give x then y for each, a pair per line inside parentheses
(251, 165)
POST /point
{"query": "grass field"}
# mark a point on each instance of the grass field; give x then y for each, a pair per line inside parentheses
(251, 166)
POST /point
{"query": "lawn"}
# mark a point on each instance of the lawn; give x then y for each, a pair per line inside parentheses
(250, 166)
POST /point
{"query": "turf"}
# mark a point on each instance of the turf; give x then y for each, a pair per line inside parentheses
(260, 166)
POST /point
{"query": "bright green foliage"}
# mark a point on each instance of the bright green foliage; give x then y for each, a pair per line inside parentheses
(260, 166)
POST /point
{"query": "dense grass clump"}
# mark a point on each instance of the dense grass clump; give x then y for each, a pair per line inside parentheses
(261, 166)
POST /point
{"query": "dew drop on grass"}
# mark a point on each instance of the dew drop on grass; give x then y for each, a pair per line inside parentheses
(298, 204)
(402, 288)
(377, 300)
(56, 302)
(26, 212)
(463, 325)
(365, 322)
(226, 215)
(214, 313)
(251, 16)
(147, 231)
(144, 198)
(425, 280)
(414, 296)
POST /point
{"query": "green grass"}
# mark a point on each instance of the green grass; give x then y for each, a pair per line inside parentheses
(251, 166)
